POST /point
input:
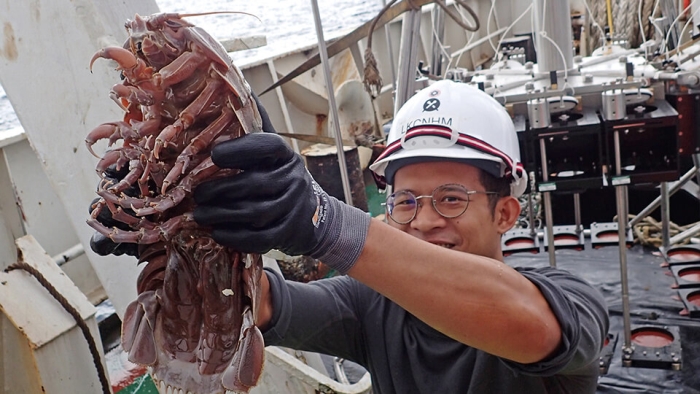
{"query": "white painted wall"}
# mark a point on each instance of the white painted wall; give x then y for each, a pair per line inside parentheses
(45, 50)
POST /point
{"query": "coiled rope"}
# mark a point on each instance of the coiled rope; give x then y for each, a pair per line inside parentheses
(625, 21)
(74, 313)
(648, 231)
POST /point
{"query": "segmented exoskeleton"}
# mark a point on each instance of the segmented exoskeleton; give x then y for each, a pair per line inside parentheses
(193, 320)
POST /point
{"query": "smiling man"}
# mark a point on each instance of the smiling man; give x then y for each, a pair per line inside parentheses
(426, 302)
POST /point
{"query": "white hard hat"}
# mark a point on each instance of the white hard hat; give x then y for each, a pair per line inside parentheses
(453, 121)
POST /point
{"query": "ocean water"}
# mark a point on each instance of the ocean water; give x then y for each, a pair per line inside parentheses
(286, 24)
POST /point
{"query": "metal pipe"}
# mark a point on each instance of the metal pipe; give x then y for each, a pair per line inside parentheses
(685, 234)
(323, 52)
(577, 212)
(620, 194)
(695, 7)
(696, 166)
(553, 18)
(549, 221)
(339, 370)
(665, 206)
(438, 35)
(69, 254)
(405, 82)
(390, 48)
(622, 235)
(672, 189)
(530, 205)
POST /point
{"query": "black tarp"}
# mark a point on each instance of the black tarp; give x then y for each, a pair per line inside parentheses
(651, 303)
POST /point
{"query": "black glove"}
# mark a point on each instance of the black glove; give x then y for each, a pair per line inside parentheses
(274, 203)
(101, 244)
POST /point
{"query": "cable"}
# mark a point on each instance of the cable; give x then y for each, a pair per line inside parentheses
(680, 36)
(505, 33)
(608, 9)
(670, 28)
(595, 23)
(533, 29)
(657, 29)
(641, 25)
(656, 7)
(488, 24)
(543, 34)
(442, 49)
(563, 58)
(544, 14)
(466, 33)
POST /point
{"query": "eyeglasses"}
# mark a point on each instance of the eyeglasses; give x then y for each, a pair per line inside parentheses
(450, 201)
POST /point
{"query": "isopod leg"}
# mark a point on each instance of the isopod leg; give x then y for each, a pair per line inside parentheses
(197, 144)
(187, 116)
(113, 131)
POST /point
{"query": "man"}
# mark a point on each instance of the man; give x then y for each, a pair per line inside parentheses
(427, 305)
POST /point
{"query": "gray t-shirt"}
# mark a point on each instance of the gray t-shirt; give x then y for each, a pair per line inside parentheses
(342, 317)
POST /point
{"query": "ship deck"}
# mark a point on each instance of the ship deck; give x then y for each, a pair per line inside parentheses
(652, 303)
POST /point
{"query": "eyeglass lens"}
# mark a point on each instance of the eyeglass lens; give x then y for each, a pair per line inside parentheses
(449, 201)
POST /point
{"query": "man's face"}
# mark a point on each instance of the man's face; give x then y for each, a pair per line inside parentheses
(475, 231)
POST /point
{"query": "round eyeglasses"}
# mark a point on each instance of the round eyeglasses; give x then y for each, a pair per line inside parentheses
(450, 201)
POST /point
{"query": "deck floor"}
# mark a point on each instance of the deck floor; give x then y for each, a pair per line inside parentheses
(651, 303)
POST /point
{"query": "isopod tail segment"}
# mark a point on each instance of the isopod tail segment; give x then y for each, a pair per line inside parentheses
(248, 359)
(138, 329)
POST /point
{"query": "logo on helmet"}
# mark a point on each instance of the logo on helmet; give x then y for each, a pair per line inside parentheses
(431, 104)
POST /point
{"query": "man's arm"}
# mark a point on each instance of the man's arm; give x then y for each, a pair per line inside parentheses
(478, 301)
(275, 204)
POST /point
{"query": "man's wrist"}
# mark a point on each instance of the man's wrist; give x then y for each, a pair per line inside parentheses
(345, 237)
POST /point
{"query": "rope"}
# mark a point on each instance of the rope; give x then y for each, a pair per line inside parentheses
(648, 231)
(627, 26)
(599, 15)
(371, 79)
(626, 19)
(73, 312)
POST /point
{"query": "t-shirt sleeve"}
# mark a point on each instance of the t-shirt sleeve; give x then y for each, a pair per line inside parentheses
(582, 315)
(319, 316)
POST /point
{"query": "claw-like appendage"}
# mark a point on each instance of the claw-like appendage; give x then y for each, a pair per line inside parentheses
(112, 131)
(124, 58)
